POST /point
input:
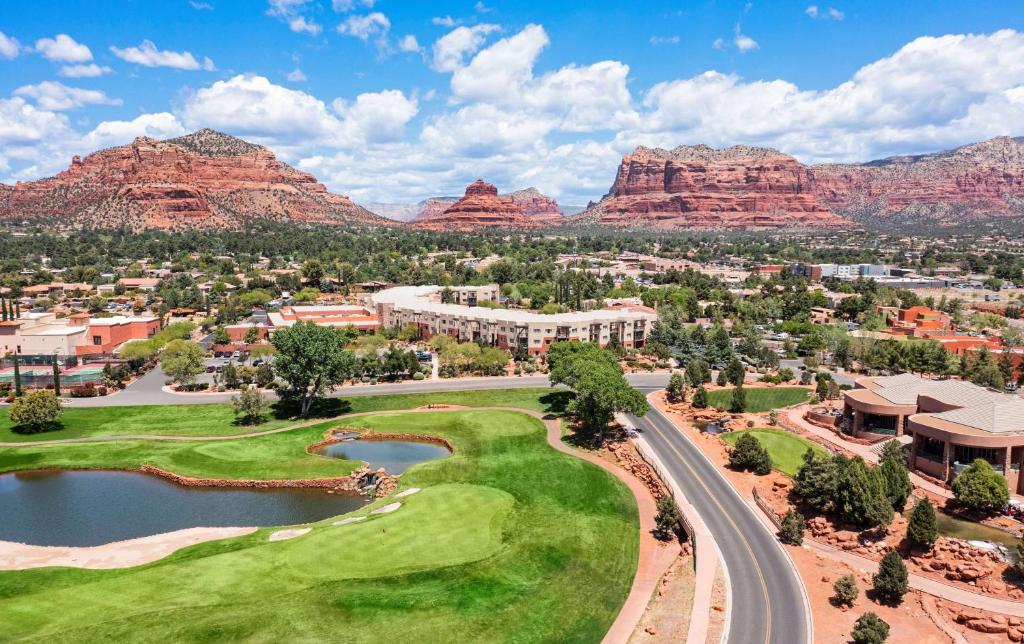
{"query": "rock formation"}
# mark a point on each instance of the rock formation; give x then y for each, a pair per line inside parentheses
(700, 187)
(537, 206)
(981, 179)
(480, 207)
(202, 180)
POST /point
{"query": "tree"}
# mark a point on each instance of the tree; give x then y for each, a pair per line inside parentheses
(792, 529)
(735, 373)
(264, 375)
(979, 487)
(666, 522)
(700, 397)
(921, 530)
(230, 375)
(182, 360)
(600, 393)
(250, 405)
(17, 374)
(738, 401)
(860, 498)
(252, 335)
(220, 336)
(56, 377)
(750, 454)
(698, 372)
(869, 629)
(676, 388)
(891, 580)
(892, 468)
(35, 411)
(845, 591)
(817, 478)
(722, 379)
(312, 359)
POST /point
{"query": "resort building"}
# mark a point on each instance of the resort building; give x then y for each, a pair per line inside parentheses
(423, 307)
(338, 316)
(950, 423)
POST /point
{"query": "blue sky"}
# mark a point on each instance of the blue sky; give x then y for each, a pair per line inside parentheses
(394, 101)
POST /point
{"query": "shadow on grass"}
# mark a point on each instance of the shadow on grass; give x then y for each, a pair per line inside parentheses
(42, 428)
(322, 408)
(556, 401)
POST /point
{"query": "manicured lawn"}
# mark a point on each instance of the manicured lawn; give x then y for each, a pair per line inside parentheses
(761, 399)
(786, 449)
(219, 419)
(508, 541)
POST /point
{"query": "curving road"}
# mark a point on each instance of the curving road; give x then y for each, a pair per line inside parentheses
(768, 603)
(767, 595)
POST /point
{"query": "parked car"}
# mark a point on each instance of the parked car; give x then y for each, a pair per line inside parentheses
(211, 369)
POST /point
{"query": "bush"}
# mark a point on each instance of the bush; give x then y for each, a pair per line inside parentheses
(891, 581)
(35, 412)
(667, 520)
(921, 531)
(750, 454)
(870, 629)
(250, 405)
(738, 402)
(418, 376)
(845, 591)
(675, 391)
(87, 390)
(792, 529)
(979, 487)
(895, 480)
(700, 398)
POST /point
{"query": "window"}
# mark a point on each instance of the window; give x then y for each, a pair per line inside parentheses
(97, 340)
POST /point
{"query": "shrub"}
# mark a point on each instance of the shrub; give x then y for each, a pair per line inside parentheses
(35, 412)
(891, 582)
(750, 454)
(895, 480)
(88, 390)
(667, 520)
(418, 376)
(845, 590)
(921, 530)
(738, 402)
(870, 629)
(792, 529)
(700, 397)
(250, 405)
(675, 391)
(979, 487)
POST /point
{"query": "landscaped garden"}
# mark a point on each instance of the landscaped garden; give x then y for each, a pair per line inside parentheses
(786, 449)
(508, 540)
(761, 399)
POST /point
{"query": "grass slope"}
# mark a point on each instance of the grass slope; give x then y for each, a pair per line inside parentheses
(508, 541)
(760, 399)
(786, 449)
(219, 419)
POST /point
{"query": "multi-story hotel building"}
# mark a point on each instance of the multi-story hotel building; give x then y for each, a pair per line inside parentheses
(423, 307)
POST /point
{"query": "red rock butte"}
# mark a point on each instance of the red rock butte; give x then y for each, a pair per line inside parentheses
(479, 207)
(700, 187)
(203, 180)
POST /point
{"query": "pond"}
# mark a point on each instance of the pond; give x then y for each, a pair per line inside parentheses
(92, 507)
(950, 526)
(394, 456)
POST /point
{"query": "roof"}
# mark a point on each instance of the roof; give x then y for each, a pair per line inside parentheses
(997, 417)
(415, 298)
(54, 329)
(121, 319)
(905, 388)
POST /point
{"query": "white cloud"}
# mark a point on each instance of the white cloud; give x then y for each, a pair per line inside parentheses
(161, 125)
(444, 21)
(743, 42)
(504, 65)
(451, 49)
(344, 6)
(828, 14)
(296, 76)
(363, 27)
(22, 123)
(83, 71)
(376, 117)
(54, 96)
(63, 48)
(480, 7)
(719, 43)
(147, 55)
(201, 6)
(409, 43)
(9, 47)
(289, 11)
(664, 40)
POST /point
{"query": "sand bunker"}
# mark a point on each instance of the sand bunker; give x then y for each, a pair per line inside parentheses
(390, 507)
(291, 533)
(119, 554)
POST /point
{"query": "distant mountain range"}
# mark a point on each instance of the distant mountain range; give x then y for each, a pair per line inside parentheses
(208, 179)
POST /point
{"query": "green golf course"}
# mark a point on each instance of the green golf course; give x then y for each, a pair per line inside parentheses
(786, 449)
(761, 399)
(509, 540)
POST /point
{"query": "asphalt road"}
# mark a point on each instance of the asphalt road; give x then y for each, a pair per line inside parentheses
(766, 593)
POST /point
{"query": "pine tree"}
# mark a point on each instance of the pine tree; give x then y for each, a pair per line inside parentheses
(791, 530)
(922, 530)
(56, 377)
(666, 522)
(870, 629)
(895, 478)
(675, 389)
(859, 495)
(845, 590)
(17, 375)
(891, 581)
(738, 402)
(700, 397)
(750, 454)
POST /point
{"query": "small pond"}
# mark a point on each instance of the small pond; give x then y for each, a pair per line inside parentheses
(394, 456)
(91, 507)
(950, 526)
